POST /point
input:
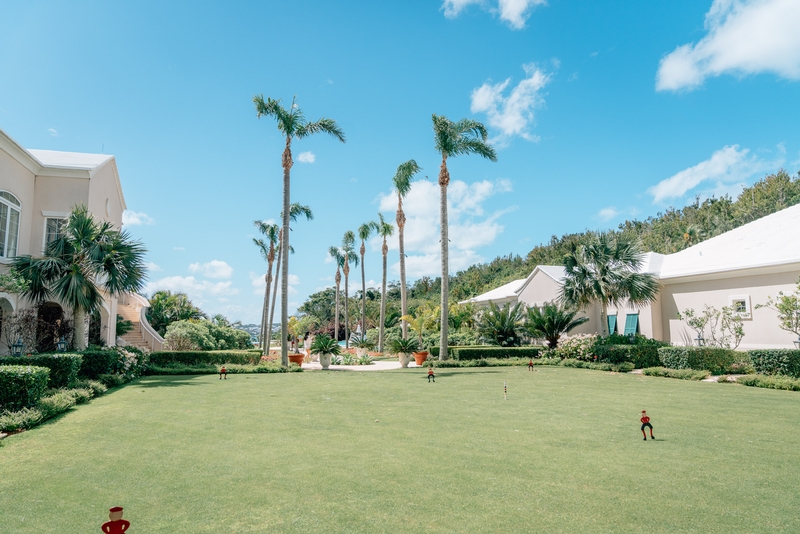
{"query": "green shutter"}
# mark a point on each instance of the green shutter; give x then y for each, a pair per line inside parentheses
(612, 324)
(631, 324)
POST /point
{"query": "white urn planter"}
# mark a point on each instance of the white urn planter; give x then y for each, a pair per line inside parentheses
(325, 360)
(404, 359)
(360, 353)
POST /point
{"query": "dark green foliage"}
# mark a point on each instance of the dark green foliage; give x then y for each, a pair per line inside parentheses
(683, 374)
(21, 386)
(622, 367)
(216, 357)
(55, 404)
(477, 353)
(434, 350)
(23, 419)
(716, 360)
(501, 326)
(403, 346)
(771, 382)
(123, 326)
(640, 355)
(63, 367)
(324, 344)
(112, 380)
(81, 395)
(167, 307)
(97, 362)
(207, 369)
(551, 322)
(776, 361)
(97, 388)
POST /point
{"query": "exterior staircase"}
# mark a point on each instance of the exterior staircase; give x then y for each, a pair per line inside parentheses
(132, 307)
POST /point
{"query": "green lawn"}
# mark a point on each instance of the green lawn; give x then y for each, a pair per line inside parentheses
(388, 452)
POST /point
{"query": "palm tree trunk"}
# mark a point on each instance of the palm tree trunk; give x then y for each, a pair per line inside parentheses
(265, 336)
(79, 320)
(401, 222)
(346, 306)
(363, 294)
(274, 297)
(604, 319)
(336, 318)
(385, 251)
(287, 165)
(444, 179)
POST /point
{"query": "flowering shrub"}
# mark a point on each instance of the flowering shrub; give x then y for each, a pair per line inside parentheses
(130, 362)
(578, 347)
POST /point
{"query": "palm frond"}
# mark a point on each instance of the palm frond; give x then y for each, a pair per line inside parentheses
(384, 229)
(405, 173)
(323, 125)
(296, 210)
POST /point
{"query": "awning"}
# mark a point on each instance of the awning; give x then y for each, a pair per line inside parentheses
(631, 324)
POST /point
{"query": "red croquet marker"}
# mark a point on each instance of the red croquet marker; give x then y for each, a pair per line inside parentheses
(117, 525)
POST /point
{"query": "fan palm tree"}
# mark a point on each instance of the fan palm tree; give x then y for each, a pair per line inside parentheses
(604, 268)
(87, 259)
(293, 125)
(338, 257)
(453, 139)
(384, 230)
(402, 182)
(267, 249)
(350, 256)
(364, 233)
(296, 210)
(551, 322)
(500, 325)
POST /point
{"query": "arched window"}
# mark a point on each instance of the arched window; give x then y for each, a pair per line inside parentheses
(9, 224)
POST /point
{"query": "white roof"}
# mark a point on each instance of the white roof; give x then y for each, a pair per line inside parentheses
(70, 160)
(556, 272)
(769, 241)
(506, 291)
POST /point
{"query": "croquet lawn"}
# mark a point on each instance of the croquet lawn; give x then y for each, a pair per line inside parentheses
(337, 451)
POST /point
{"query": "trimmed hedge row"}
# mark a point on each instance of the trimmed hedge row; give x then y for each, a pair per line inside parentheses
(771, 382)
(683, 374)
(711, 359)
(641, 356)
(63, 367)
(97, 362)
(776, 361)
(214, 357)
(21, 386)
(482, 352)
(206, 369)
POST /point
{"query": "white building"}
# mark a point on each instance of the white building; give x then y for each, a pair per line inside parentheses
(740, 268)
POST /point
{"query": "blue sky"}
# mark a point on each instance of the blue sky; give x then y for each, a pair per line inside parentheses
(600, 111)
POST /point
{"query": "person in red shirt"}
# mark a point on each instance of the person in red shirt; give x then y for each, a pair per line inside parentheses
(223, 372)
(646, 423)
(530, 364)
(430, 375)
(117, 525)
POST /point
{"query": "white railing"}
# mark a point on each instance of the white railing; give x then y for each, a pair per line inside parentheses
(154, 341)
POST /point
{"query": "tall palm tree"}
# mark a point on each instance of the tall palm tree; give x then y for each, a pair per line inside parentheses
(296, 210)
(293, 125)
(87, 259)
(604, 268)
(350, 256)
(338, 257)
(384, 230)
(364, 232)
(402, 182)
(454, 139)
(267, 249)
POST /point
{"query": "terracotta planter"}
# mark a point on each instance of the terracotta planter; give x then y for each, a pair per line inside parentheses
(296, 358)
(420, 357)
(404, 359)
(325, 360)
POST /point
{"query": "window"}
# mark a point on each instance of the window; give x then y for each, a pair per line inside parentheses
(52, 229)
(631, 324)
(9, 224)
(612, 324)
(741, 306)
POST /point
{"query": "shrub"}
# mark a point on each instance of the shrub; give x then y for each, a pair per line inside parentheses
(53, 405)
(97, 388)
(20, 420)
(217, 357)
(111, 380)
(478, 353)
(96, 363)
(81, 395)
(772, 382)
(21, 386)
(716, 360)
(776, 361)
(63, 367)
(181, 369)
(640, 355)
(683, 374)
(622, 367)
(578, 347)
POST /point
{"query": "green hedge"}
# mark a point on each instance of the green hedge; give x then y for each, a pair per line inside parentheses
(488, 351)
(97, 362)
(214, 357)
(640, 355)
(711, 359)
(683, 374)
(622, 367)
(21, 386)
(203, 369)
(772, 382)
(63, 367)
(776, 361)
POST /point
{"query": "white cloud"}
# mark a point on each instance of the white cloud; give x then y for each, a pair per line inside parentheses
(197, 290)
(132, 218)
(53, 132)
(152, 267)
(212, 269)
(744, 37)
(179, 249)
(259, 283)
(470, 227)
(512, 114)
(514, 12)
(608, 213)
(727, 169)
(306, 157)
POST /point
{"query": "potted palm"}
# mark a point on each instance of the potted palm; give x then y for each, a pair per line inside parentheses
(425, 319)
(326, 348)
(361, 344)
(403, 348)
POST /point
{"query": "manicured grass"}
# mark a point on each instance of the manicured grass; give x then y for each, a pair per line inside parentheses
(302, 452)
